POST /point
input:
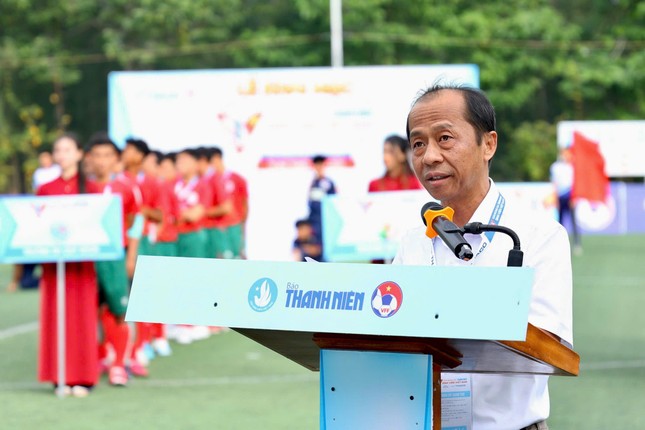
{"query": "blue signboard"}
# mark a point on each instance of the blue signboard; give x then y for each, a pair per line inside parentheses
(60, 228)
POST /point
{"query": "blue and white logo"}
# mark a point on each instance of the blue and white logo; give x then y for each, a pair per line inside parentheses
(263, 294)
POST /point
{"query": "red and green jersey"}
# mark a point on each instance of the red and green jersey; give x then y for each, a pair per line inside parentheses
(190, 194)
(149, 187)
(169, 205)
(130, 197)
(215, 183)
(235, 186)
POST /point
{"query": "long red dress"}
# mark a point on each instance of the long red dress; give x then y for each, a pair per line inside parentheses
(387, 183)
(81, 306)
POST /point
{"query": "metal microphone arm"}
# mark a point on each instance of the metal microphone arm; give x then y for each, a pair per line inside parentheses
(515, 255)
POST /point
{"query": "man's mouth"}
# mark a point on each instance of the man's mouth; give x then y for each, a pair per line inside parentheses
(436, 177)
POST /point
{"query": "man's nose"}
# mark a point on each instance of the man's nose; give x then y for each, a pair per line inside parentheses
(432, 154)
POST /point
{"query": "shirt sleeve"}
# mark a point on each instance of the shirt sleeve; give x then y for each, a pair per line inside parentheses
(552, 301)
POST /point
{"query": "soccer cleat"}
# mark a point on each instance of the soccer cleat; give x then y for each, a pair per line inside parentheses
(138, 370)
(161, 347)
(103, 368)
(118, 376)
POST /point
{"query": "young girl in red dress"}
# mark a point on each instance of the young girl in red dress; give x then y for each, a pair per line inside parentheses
(398, 173)
(80, 292)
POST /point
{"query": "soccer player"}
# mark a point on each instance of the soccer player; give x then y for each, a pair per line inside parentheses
(193, 197)
(233, 223)
(113, 276)
(134, 154)
(80, 290)
(220, 207)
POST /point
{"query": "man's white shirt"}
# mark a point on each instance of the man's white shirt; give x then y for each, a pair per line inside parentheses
(510, 401)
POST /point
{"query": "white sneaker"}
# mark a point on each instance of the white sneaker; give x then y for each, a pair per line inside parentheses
(141, 357)
(184, 335)
(161, 347)
(172, 331)
(200, 332)
(80, 391)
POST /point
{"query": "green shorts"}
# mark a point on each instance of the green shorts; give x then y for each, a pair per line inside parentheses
(235, 235)
(161, 249)
(113, 285)
(166, 249)
(217, 242)
(194, 244)
(145, 247)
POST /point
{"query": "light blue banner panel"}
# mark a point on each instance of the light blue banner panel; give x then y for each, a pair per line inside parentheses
(446, 302)
(85, 227)
(375, 390)
(370, 226)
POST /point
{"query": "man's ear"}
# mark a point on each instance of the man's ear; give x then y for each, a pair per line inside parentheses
(490, 145)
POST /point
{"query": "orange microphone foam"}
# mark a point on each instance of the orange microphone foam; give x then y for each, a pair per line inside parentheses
(430, 216)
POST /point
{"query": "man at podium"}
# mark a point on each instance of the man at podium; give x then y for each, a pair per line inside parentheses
(452, 134)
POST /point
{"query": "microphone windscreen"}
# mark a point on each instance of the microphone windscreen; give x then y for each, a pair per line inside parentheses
(430, 206)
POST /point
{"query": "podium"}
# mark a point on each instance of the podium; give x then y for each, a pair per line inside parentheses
(378, 334)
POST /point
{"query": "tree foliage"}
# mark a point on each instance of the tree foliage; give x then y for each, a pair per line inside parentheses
(541, 61)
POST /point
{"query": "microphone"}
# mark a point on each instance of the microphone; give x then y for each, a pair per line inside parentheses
(439, 222)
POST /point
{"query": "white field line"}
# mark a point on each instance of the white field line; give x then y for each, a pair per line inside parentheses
(18, 329)
(191, 382)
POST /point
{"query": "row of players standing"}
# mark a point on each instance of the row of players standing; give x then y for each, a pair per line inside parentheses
(398, 176)
(184, 204)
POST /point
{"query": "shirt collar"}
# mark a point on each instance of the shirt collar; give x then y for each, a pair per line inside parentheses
(485, 208)
(482, 214)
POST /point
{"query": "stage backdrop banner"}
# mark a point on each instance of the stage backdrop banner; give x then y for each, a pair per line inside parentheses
(270, 122)
(60, 228)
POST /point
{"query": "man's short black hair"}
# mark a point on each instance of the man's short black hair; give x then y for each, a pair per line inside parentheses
(319, 159)
(303, 223)
(217, 152)
(204, 153)
(172, 156)
(138, 144)
(157, 154)
(102, 138)
(480, 112)
(192, 152)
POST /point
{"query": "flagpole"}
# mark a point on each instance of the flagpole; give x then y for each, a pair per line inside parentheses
(60, 326)
(336, 23)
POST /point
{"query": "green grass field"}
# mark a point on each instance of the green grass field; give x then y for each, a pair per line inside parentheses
(228, 382)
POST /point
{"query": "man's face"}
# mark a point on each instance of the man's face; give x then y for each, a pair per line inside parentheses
(167, 170)
(186, 165)
(131, 155)
(104, 160)
(446, 156)
(202, 165)
(149, 165)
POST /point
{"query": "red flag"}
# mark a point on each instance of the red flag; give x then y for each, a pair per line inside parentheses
(590, 182)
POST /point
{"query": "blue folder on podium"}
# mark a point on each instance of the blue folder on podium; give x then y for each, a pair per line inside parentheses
(352, 321)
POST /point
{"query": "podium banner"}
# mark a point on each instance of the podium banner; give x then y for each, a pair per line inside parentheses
(85, 227)
(415, 301)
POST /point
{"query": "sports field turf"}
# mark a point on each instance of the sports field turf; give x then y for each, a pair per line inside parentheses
(228, 382)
